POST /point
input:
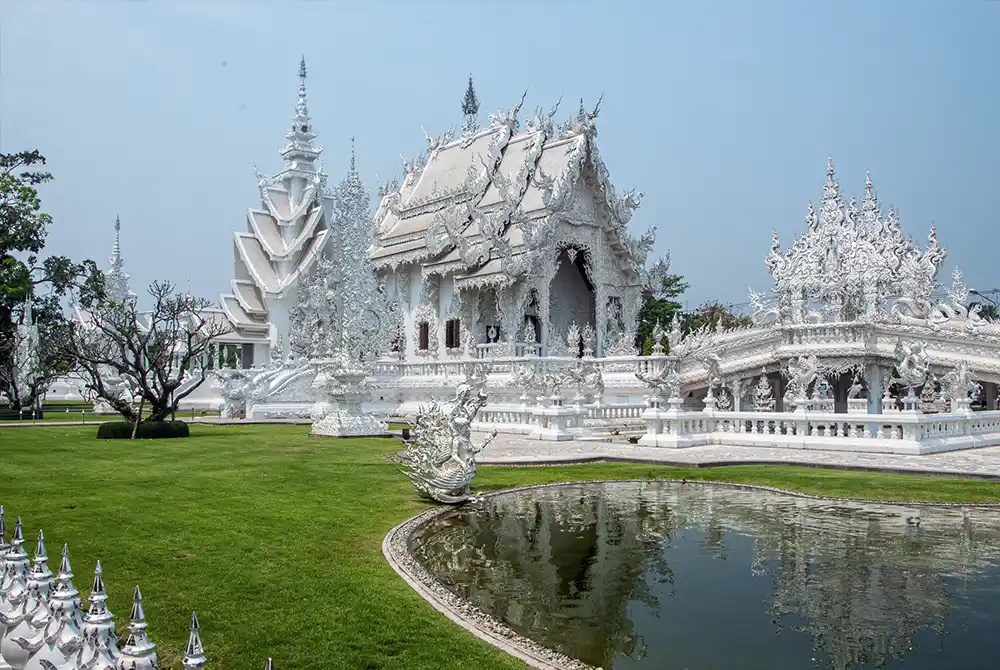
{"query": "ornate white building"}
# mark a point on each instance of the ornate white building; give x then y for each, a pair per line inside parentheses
(507, 238)
(282, 241)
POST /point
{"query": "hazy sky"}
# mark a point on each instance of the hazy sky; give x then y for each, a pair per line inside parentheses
(723, 113)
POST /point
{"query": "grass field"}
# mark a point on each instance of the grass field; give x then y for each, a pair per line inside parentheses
(275, 539)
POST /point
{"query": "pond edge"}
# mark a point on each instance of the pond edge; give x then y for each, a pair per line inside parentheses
(395, 549)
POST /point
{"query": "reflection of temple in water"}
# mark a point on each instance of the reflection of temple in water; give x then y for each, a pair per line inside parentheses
(564, 565)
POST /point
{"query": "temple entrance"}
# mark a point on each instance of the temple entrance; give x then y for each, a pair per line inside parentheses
(571, 296)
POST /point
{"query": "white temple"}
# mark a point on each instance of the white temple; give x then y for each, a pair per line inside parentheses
(506, 238)
(506, 249)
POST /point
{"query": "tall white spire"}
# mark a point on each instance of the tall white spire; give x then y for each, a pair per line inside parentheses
(116, 279)
(300, 153)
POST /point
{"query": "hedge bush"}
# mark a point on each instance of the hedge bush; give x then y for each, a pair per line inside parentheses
(148, 430)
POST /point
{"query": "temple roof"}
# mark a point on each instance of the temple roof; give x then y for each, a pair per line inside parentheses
(478, 196)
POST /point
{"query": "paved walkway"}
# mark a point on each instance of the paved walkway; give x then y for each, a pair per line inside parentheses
(514, 450)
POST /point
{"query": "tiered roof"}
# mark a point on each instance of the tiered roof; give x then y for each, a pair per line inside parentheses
(287, 233)
(479, 203)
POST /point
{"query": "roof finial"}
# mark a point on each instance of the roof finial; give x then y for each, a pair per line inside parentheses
(302, 69)
(194, 656)
(830, 172)
(353, 165)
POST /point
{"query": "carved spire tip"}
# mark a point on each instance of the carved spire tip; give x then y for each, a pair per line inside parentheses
(302, 67)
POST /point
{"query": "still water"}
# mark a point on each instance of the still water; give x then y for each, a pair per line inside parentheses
(666, 575)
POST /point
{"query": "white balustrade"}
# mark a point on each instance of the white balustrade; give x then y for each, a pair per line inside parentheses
(896, 432)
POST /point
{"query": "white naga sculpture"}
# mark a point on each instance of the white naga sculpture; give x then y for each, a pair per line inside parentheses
(441, 457)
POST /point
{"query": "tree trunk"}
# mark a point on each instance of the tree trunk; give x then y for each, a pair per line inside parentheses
(138, 418)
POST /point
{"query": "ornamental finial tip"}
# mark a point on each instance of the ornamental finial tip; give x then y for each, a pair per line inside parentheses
(40, 548)
(118, 223)
(302, 67)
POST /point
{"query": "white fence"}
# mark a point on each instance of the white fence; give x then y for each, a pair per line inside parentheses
(892, 432)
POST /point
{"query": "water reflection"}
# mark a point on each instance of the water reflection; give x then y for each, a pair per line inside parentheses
(666, 575)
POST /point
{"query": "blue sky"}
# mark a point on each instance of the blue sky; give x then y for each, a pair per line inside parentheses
(723, 113)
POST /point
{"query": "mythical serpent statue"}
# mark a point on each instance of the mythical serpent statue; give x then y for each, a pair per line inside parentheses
(441, 457)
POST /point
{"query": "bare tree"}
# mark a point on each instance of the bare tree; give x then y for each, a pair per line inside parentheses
(158, 356)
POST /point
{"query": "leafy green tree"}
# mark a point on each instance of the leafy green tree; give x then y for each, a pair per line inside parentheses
(26, 279)
(658, 306)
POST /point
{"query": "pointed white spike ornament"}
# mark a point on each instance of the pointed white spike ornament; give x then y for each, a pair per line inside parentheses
(3, 544)
(26, 624)
(13, 589)
(194, 655)
(137, 651)
(60, 641)
(100, 650)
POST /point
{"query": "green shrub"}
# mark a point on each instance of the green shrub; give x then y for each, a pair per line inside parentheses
(148, 430)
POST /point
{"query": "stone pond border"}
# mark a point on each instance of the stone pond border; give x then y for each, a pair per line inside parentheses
(395, 548)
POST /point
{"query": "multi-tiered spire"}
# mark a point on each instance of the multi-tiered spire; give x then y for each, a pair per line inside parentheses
(41, 576)
(300, 154)
(65, 597)
(137, 651)
(283, 238)
(194, 655)
(116, 279)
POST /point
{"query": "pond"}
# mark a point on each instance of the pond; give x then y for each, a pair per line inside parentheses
(672, 575)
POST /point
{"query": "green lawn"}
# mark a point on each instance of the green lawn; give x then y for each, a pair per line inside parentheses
(275, 539)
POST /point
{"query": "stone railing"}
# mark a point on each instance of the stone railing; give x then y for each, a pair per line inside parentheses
(892, 432)
(44, 625)
(558, 419)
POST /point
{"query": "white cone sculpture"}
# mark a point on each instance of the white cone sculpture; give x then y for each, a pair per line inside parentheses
(13, 588)
(3, 544)
(33, 614)
(194, 655)
(137, 652)
(100, 650)
(60, 641)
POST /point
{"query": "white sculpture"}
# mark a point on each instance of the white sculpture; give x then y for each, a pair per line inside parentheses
(912, 365)
(44, 627)
(801, 372)
(441, 458)
(763, 396)
(847, 264)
